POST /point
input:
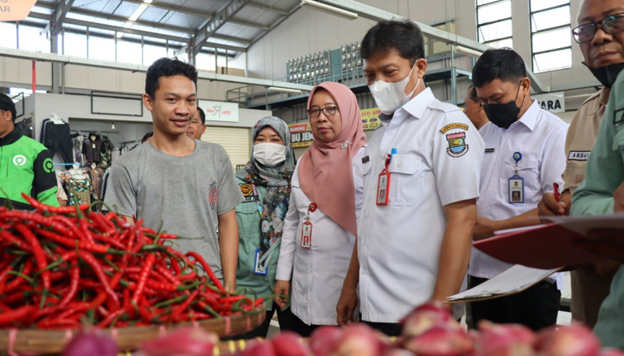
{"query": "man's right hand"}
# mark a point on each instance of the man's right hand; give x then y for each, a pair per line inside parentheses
(283, 289)
(551, 207)
(347, 303)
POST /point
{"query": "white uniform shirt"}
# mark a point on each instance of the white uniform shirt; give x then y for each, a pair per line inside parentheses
(399, 243)
(319, 272)
(540, 137)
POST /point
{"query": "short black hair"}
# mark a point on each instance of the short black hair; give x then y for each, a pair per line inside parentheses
(147, 136)
(202, 115)
(167, 67)
(472, 94)
(504, 64)
(7, 104)
(405, 36)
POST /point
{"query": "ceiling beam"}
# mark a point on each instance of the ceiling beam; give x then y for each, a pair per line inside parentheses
(58, 16)
(215, 23)
(58, 58)
(376, 14)
(277, 23)
(267, 8)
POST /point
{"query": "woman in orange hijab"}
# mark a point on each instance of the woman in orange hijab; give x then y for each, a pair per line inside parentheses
(321, 223)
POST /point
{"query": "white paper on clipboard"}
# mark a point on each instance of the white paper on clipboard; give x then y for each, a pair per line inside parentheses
(514, 280)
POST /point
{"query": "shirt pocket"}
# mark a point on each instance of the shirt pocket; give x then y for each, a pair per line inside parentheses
(406, 179)
(528, 169)
(618, 140)
(249, 237)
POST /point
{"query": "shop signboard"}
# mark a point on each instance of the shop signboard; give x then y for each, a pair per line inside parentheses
(553, 102)
(15, 10)
(370, 118)
(219, 110)
(301, 135)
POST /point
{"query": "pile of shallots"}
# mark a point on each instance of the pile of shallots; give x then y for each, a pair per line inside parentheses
(429, 330)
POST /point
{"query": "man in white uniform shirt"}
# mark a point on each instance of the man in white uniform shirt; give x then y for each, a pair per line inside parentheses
(524, 156)
(421, 182)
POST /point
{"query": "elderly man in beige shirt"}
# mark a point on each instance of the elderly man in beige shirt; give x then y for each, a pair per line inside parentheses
(602, 45)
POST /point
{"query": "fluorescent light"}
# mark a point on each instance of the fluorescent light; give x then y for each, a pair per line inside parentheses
(468, 51)
(137, 12)
(330, 9)
(285, 90)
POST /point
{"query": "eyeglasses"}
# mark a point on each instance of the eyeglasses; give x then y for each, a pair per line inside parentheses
(327, 111)
(610, 24)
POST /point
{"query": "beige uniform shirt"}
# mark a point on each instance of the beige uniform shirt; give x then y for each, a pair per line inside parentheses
(582, 137)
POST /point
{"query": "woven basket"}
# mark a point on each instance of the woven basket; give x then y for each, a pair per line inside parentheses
(33, 341)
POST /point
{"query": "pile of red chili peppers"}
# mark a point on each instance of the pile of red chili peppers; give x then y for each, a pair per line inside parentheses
(61, 264)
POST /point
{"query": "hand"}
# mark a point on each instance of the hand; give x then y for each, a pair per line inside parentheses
(283, 289)
(606, 243)
(550, 207)
(347, 303)
(484, 228)
(618, 199)
(230, 285)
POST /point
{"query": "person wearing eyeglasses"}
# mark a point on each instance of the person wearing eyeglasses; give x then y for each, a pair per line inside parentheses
(326, 197)
(601, 39)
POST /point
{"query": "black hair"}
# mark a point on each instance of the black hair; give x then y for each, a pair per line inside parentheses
(504, 64)
(167, 67)
(7, 104)
(147, 136)
(472, 94)
(202, 115)
(404, 36)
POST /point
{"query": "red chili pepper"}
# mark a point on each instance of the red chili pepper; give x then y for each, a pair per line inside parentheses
(73, 286)
(5, 234)
(38, 252)
(207, 269)
(10, 317)
(97, 268)
(53, 209)
(92, 247)
(147, 267)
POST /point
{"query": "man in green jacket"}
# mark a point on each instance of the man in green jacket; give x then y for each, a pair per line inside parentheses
(25, 164)
(602, 192)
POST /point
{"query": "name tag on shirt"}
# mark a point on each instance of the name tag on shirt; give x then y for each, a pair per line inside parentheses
(489, 150)
(578, 155)
(258, 268)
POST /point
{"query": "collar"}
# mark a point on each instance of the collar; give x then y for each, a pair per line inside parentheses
(529, 119)
(604, 96)
(415, 107)
(12, 137)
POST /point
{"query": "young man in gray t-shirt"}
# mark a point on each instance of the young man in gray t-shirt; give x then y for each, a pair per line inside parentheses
(185, 184)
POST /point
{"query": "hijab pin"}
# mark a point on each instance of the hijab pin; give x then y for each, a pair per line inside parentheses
(345, 145)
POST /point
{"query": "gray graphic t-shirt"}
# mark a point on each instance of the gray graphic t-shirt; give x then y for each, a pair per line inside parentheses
(186, 193)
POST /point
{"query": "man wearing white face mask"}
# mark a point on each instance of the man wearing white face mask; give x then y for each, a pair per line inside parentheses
(421, 182)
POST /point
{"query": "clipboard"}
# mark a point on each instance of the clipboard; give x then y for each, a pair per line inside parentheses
(544, 246)
(514, 280)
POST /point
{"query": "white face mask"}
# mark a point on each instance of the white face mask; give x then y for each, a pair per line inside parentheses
(269, 154)
(391, 96)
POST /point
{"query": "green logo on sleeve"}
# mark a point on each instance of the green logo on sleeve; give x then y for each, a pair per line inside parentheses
(48, 166)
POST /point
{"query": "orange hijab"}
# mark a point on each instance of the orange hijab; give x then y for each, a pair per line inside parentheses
(326, 169)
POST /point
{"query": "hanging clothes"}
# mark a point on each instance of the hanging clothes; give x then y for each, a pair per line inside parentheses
(107, 153)
(92, 148)
(56, 137)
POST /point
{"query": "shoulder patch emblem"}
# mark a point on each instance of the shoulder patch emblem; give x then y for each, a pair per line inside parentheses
(456, 125)
(246, 189)
(457, 144)
(618, 117)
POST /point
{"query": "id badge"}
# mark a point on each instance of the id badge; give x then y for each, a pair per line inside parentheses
(258, 268)
(306, 235)
(383, 187)
(516, 190)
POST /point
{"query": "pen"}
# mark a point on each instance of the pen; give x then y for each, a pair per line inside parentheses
(556, 187)
(393, 152)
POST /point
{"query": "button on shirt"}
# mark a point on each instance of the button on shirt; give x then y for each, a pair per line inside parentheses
(539, 136)
(319, 272)
(437, 162)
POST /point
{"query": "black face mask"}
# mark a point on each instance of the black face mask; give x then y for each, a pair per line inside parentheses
(503, 115)
(607, 74)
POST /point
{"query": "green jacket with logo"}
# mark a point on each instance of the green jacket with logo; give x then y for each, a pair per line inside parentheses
(26, 166)
(248, 216)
